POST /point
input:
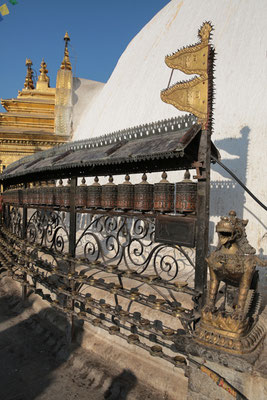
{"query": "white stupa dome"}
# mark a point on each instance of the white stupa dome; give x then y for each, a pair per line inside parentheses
(132, 94)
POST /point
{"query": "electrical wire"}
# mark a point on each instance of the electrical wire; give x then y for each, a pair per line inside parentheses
(239, 181)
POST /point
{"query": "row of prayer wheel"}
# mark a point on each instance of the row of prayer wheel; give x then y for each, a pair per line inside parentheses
(126, 196)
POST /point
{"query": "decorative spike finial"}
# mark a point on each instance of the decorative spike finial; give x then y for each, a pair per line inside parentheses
(127, 180)
(66, 61)
(28, 84)
(187, 176)
(66, 38)
(144, 178)
(110, 180)
(43, 73)
(164, 177)
(204, 32)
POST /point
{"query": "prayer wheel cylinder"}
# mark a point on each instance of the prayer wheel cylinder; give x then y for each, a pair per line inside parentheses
(16, 196)
(50, 193)
(81, 195)
(109, 194)
(143, 195)
(94, 194)
(26, 195)
(38, 194)
(125, 199)
(30, 195)
(186, 195)
(33, 194)
(43, 193)
(164, 195)
(58, 193)
(65, 195)
(20, 196)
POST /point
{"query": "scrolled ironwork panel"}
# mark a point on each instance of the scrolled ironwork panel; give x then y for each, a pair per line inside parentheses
(129, 242)
(49, 229)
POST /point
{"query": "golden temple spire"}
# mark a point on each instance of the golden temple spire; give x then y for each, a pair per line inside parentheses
(28, 84)
(66, 61)
(43, 79)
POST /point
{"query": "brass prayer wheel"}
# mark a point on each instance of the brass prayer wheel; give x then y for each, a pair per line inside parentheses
(58, 193)
(30, 194)
(43, 194)
(15, 196)
(65, 195)
(164, 195)
(143, 195)
(38, 193)
(109, 194)
(50, 193)
(186, 195)
(94, 194)
(125, 199)
(26, 194)
(81, 195)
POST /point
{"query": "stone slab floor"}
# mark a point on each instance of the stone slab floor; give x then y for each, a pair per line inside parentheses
(36, 363)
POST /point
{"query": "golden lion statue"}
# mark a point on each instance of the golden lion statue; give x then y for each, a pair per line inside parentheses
(233, 262)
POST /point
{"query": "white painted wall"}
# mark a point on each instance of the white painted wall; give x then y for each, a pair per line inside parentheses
(132, 94)
(85, 92)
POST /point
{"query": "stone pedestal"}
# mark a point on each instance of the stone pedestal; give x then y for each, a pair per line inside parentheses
(246, 373)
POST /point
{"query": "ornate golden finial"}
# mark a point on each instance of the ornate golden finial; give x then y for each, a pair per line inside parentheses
(28, 84)
(43, 72)
(194, 96)
(43, 79)
(204, 32)
(66, 61)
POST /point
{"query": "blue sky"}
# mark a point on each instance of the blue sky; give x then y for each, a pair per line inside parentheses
(100, 31)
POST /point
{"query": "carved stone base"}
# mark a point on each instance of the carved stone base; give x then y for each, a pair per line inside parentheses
(214, 331)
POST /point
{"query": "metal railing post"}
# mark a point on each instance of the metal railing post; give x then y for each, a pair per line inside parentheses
(72, 247)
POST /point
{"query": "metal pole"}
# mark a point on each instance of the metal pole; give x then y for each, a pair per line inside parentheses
(72, 243)
(203, 206)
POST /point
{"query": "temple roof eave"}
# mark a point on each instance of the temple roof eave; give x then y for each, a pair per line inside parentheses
(27, 100)
(9, 134)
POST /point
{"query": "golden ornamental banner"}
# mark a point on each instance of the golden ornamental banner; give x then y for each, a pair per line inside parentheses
(195, 95)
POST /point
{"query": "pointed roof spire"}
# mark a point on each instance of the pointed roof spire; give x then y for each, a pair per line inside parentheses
(28, 84)
(43, 73)
(66, 61)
